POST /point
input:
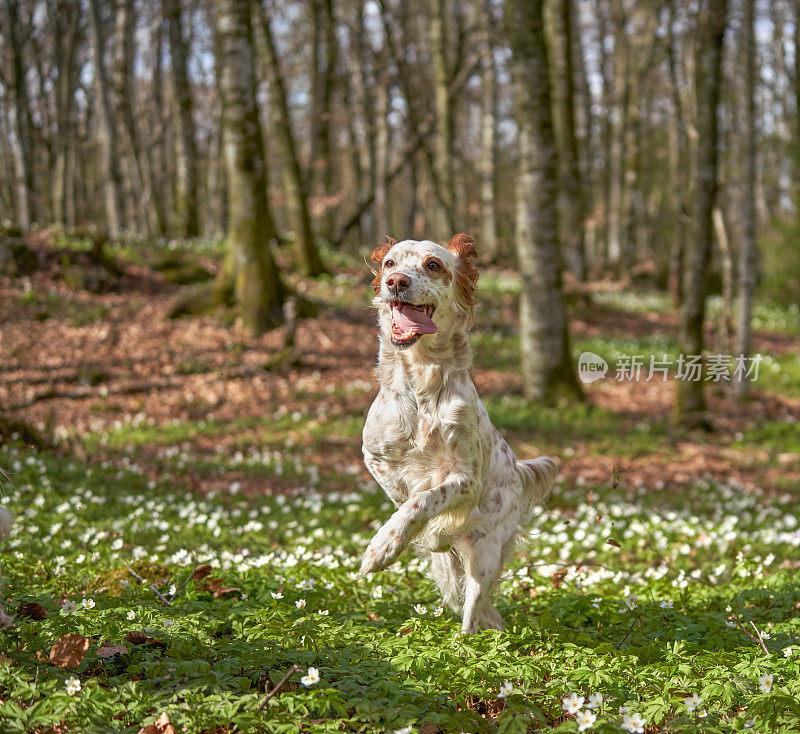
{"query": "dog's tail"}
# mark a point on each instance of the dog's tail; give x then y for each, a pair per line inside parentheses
(6, 521)
(538, 477)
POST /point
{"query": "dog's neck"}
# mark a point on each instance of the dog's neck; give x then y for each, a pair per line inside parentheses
(426, 368)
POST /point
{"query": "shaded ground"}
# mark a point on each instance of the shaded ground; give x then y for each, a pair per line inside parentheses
(112, 375)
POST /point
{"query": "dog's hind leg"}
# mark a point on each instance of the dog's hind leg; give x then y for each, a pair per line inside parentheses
(482, 558)
(448, 573)
(490, 618)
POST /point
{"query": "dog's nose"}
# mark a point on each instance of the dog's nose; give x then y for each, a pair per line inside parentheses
(398, 281)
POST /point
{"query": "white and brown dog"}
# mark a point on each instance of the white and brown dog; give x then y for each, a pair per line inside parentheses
(461, 495)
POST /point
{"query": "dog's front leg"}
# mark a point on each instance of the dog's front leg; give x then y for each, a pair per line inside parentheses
(395, 535)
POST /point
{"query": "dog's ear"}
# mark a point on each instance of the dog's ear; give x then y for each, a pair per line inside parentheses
(377, 257)
(463, 246)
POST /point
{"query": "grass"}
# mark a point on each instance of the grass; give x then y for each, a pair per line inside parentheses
(712, 555)
(646, 598)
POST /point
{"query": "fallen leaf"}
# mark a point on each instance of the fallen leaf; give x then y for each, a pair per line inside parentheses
(613, 542)
(140, 638)
(32, 610)
(161, 725)
(69, 650)
(558, 577)
(201, 571)
(217, 587)
(373, 616)
(108, 651)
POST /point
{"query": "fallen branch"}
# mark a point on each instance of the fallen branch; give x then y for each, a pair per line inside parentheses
(294, 669)
(153, 588)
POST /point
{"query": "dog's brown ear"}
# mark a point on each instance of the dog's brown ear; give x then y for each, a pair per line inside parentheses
(463, 246)
(377, 257)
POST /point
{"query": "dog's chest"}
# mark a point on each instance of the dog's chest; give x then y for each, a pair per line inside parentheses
(403, 446)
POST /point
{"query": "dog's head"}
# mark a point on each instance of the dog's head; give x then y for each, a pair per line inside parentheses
(424, 288)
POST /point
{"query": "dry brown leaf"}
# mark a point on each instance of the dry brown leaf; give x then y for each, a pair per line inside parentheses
(140, 638)
(201, 571)
(161, 725)
(373, 616)
(108, 651)
(558, 577)
(69, 650)
(32, 610)
(217, 587)
(613, 542)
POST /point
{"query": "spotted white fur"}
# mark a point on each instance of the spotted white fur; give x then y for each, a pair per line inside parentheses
(460, 493)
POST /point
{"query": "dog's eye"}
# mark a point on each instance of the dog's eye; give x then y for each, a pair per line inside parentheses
(433, 265)
(389, 263)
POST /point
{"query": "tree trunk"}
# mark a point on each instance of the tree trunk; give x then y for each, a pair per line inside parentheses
(323, 76)
(444, 113)
(797, 103)
(489, 243)
(546, 360)
(186, 205)
(107, 132)
(307, 252)
(573, 198)
(251, 228)
(691, 404)
(69, 12)
(21, 144)
(748, 254)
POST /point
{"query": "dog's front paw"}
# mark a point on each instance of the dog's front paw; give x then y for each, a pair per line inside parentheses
(384, 548)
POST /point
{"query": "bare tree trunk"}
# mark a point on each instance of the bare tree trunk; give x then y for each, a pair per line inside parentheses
(691, 405)
(188, 219)
(308, 254)
(748, 255)
(21, 144)
(66, 47)
(573, 199)
(323, 71)
(726, 262)
(797, 102)
(251, 229)
(489, 243)
(546, 360)
(444, 112)
(381, 156)
(107, 132)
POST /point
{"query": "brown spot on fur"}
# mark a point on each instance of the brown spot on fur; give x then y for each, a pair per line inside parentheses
(377, 257)
(463, 246)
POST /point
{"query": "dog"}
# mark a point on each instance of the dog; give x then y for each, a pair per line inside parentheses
(461, 495)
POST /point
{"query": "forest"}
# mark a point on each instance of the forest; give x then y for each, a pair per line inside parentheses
(190, 193)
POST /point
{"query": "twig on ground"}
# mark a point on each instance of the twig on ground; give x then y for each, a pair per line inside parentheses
(183, 585)
(759, 637)
(153, 588)
(294, 669)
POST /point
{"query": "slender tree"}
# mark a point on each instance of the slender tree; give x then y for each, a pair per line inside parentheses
(748, 252)
(187, 215)
(547, 367)
(310, 261)
(691, 404)
(107, 130)
(488, 104)
(251, 227)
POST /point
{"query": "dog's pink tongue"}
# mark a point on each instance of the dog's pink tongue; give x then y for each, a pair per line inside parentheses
(407, 318)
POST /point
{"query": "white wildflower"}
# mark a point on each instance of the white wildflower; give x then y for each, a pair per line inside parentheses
(692, 702)
(595, 700)
(68, 607)
(88, 603)
(765, 683)
(633, 723)
(506, 689)
(311, 678)
(300, 603)
(585, 720)
(572, 703)
(73, 685)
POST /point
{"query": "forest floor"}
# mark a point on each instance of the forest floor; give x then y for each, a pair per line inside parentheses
(181, 443)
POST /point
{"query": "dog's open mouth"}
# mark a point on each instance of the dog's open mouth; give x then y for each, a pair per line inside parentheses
(410, 321)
